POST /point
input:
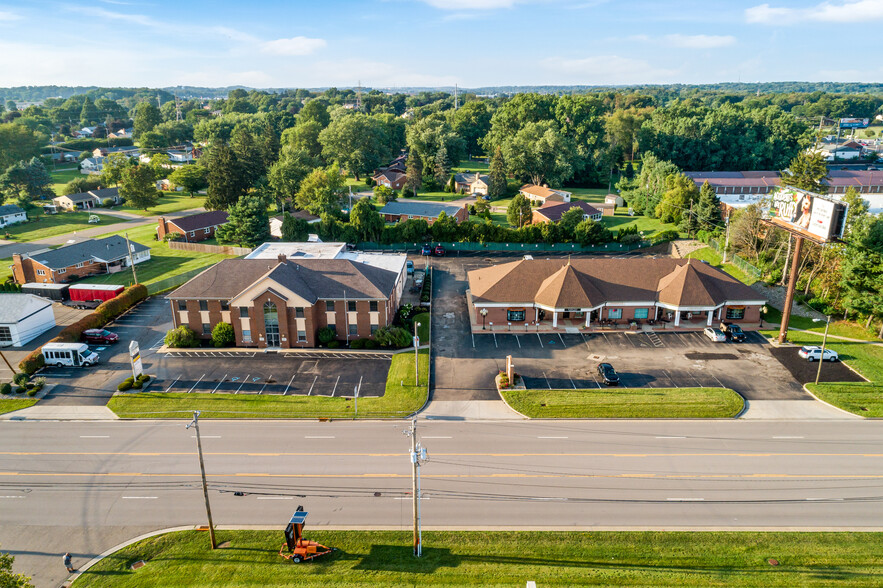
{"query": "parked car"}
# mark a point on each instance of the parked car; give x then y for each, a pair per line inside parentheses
(69, 354)
(409, 266)
(608, 374)
(814, 352)
(715, 335)
(427, 250)
(733, 332)
(100, 336)
(439, 251)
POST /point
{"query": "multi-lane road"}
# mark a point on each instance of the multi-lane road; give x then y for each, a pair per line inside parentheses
(83, 487)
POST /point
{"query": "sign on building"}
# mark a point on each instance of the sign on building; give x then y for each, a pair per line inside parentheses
(813, 216)
(135, 356)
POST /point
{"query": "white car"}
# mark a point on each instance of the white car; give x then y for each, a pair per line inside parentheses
(814, 352)
(715, 335)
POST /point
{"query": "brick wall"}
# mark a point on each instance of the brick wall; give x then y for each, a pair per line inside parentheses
(25, 270)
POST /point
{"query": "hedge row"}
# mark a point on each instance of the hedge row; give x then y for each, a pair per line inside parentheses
(106, 312)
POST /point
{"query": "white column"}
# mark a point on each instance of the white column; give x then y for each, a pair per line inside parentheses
(677, 318)
(554, 319)
(719, 311)
(588, 318)
(710, 316)
(536, 315)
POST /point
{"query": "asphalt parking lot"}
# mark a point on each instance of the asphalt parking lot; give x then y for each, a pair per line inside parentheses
(218, 372)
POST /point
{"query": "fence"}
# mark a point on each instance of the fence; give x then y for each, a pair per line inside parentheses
(525, 248)
(173, 281)
(205, 248)
(740, 263)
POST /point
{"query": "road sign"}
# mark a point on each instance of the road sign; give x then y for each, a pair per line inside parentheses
(135, 356)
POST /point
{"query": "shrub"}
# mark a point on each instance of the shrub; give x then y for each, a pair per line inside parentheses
(669, 235)
(20, 389)
(32, 362)
(21, 378)
(325, 335)
(126, 384)
(333, 344)
(370, 344)
(223, 335)
(391, 336)
(144, 378)
(137, 384)
(107, 202)
(33, 392)
(182, 336)
(6, 388)
(357, 344)
(630, 239)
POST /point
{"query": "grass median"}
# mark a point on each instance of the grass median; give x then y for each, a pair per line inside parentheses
(626, 403)
(477, 558)
(400, 399)
(13, 404)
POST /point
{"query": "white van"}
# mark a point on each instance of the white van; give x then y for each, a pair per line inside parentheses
(71, 354)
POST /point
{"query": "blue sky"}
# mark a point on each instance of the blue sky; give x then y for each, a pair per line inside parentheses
(388, 43)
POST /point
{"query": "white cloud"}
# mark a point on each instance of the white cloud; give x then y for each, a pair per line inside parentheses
(607, 69)
(5, 16)
(293, 46)
(701, 41)
(833, 12)
(471, 4)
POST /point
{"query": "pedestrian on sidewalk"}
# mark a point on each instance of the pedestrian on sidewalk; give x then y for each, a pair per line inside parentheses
(67, 563)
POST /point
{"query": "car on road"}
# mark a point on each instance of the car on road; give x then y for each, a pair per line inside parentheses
(733, 332)
(409, 265)
(608, 374)
(439, 251)
(100, 336)
(426, 250)
(814, 352)
(715, 335)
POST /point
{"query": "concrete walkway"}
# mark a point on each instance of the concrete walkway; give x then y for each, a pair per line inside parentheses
(50, 412)
(469, 410)
(794, 410)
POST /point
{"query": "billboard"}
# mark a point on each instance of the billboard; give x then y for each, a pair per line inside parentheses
(807, 214)
(854, 123)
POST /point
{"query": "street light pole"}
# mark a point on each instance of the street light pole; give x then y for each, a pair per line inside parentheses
(416, 355)
(483, 313)
(824, 341)
(208, 508)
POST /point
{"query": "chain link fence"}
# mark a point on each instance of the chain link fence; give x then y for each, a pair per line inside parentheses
(740, 263)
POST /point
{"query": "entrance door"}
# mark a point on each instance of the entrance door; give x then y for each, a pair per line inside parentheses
(271, 324)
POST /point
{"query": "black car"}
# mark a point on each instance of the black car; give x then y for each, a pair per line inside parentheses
(733, 332)
(608, 374)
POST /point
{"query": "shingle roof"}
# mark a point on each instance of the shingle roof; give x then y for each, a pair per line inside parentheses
(424, 209)
(103, 193)
(311, 279)
(468, 178)
(78, 197)
(194, 222)
(541, 191)
(583, 283)
(8, 209)
(554, 212)
(15, 307)
(391, 175)
(102, 250)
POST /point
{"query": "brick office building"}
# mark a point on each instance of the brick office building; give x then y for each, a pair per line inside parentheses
(282, 303)
(93, 256)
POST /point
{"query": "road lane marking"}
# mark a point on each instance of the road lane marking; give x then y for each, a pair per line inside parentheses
(275, 497)
(540, 339)
(318, 436)
(495, 339)
(477, 454)
(11, 496)
(547, 381)
(265, 384)
(787, 437)
(196, 384)
(517, 341)
(551, 437)
(562, 341)
(572, 384)
(821, 498)
(456, 476)
(671, 437)
(685, 499)
(94, 436)
(139, 497)
(435, 437)
(206, 436)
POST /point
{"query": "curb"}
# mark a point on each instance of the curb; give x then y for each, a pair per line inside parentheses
(846, 412)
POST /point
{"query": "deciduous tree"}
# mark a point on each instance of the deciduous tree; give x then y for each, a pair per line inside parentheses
(147, 116)
(322, 192)
(540, 154)
(190, 177)
(498, 176)
(519, 212)
(808, 171)
(138, 186)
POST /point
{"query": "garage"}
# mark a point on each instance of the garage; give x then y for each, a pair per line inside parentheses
(24, 317)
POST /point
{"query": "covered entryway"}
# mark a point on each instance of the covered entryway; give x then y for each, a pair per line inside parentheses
(271, 324)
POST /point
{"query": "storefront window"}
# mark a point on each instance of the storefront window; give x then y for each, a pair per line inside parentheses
(614, 313)
(641, 313)
(515, 315)
(736, 313)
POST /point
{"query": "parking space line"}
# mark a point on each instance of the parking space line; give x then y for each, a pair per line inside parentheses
(265, 384)
(586, 341)
(335, 386)
(547, 381)
(173, 384)
(517, 341)
(311, 385)
(473, 340)
(563, 344)
(718, 381)
(495, 339)
(196, 384)
(289, 384)
(221, 381)
(667, 375)
(571, 383)
(540, 339)
(242, 384)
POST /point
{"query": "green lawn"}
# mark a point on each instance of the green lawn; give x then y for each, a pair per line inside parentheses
(50, 225)
(849, 329)
(5, 270)
(10, 404)
(713, 258)
(627, 403)
(470, 166)
(589, 194)
(401, 399)
(62, 176)
(500, 559)
(437, 196)
(862, 398)
(168, 203)
(622, 220)
(164, 262)
(423, 332)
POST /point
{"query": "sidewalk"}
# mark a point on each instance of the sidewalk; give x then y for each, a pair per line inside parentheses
(51, 412)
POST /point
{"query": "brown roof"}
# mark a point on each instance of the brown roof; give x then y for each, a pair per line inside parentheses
(540, 191)
(312, 279)
(194, 222)
(556, 210)
(583, 283)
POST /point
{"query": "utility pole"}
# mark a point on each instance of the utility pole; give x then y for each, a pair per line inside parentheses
(6, 361)
(418, 457)
(208, 508)
(727, 239)
(131, 259)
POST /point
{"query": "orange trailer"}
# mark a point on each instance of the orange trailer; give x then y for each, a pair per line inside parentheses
(300, 549)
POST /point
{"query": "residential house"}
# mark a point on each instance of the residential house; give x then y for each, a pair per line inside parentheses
(553, 211)
(92, 165)
(842, 152)
(193, 228)
(390, 178)
(614, 199)
(276, 221)
(187, 155)
(11, 214)
(542, 194)
(121, 134)
(282, 303)
(472, 183)
(87, 200)
(92, 256)
(396, 211)
(586, 293)
(24, 317)
(85, 132)
(105, 151)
